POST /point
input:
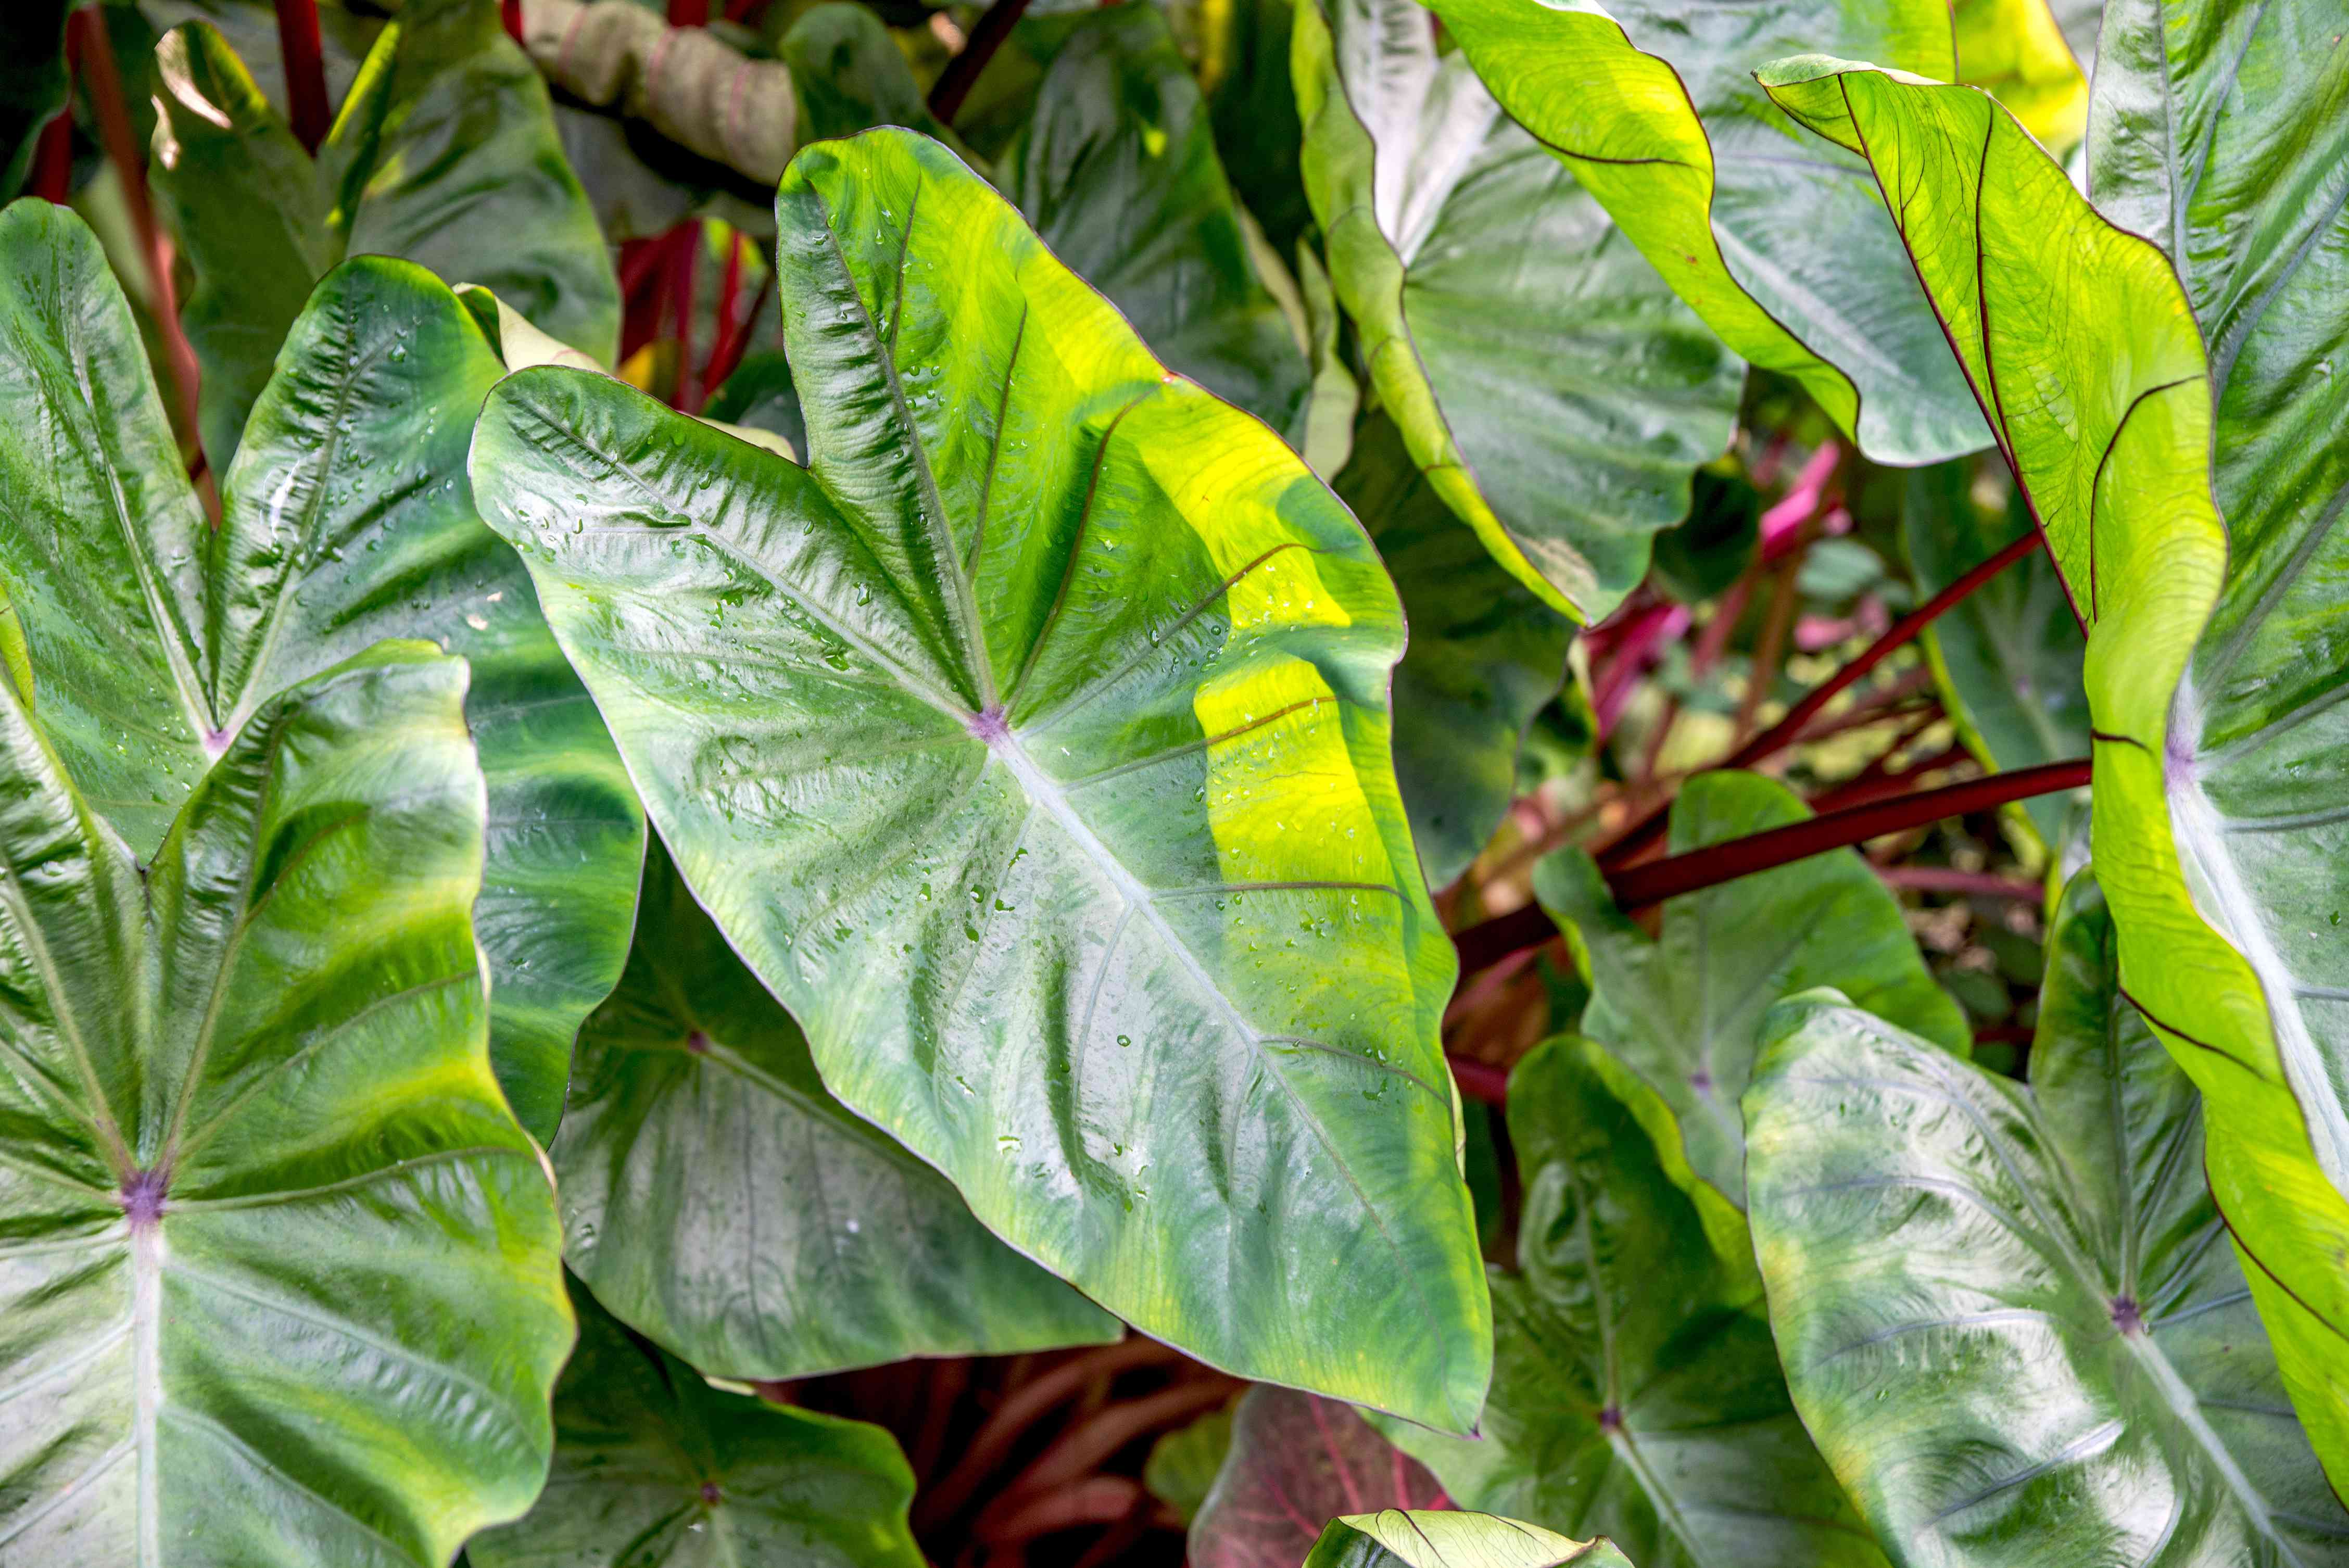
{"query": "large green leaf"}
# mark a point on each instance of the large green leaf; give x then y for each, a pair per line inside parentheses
(348, 519)
(444, 153)
(2007, 1313)
(2008, 658)
(722, 1203)
(1486, 655)
(655, 1468)
(1781, 245)
(1294, 1461)
(1118, 172)
(278, 1268)
(1683, 1009)
(1395, 1539)
(1554, 391)
(2213, 835)
(1031, 746)
(1636, 1394)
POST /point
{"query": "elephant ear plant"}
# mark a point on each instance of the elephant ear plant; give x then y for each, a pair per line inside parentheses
(1315, 784)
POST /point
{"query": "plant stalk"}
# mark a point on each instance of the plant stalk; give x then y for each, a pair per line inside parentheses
(305, 71)
(1636, 887)
(962, 72)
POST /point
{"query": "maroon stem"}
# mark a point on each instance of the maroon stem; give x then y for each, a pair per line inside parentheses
(1898, 634)
(684, 263)
(306, 70)
(509, 15)
(689, 13)
(1974, 884)
(1640, 886)
(52, 178)
(1480, 1081)
(962, 72)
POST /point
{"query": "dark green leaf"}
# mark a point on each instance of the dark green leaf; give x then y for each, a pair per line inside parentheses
(1682, 1010)
(32, 83)
(279, 1269)
(1031, 746)
(655, 1468)
(2011, 1317)
(1553, 389)
(1244, 70)
(1118, 172)
(1486, 655)
(348, 519)
(1182, 1465)
(1636, 1394)
(849, 75)
(723, 1204)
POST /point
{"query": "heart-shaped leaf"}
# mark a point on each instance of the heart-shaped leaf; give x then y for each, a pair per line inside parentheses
(348, 518)
(1295, 1460)
(1781, 246)
(1030, 746)
(1636, 1393)
(2216, 835)
(1553, 389)
(655, 1468)
(1683, 1010)
(1118, 174)
(1397, 1539)
(722, 1203)
(2008, 1315)
(1486, 655)
(278, 1267)
(444, 153)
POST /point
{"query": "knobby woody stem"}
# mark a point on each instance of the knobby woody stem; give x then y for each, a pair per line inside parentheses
(962, 72)
(1771, 740)
(1636, 887)
(306, 70)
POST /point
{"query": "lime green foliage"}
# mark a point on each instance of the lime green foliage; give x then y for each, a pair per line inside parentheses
(1395, 1539)
(1636, 1394)
(2084, 345)
(443, 153)
(1031, 745)
(722, 1204)
(348, 518)
(655, 1468)
(1550, 385)
(281, 1275)
(1681, 1010)
(2007, 1313)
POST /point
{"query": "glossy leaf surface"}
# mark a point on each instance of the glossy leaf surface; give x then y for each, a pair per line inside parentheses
(1682, 1010)
(723, 1204)
(2010, 1316)
(1636, 1394)
(2083, 343)
(1296, 1461)
(656, 1469)
(1552, 387)
(1782, 246)
(2008, 659)
(444, 153)
(1396, 1539)
(280, 1271)
(1118, 173)
(1030, 746)
(348, 519)
(1486, 655)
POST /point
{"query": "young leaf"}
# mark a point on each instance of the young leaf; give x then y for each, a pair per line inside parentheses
(655, 1468)
(1182, 1465)
(279, 1269)
(1118, 172)
(1031, 745)
(1294, 1461)
(348, 518)
(1396, 1539)
(2008, 1315)
(2216, 833)
(2008, 659)
(1636, 1394)
(1781, 246)
(726, 1206)
(1553, 389)
(1682, 1010)
(1486, 655)
(444, 154)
